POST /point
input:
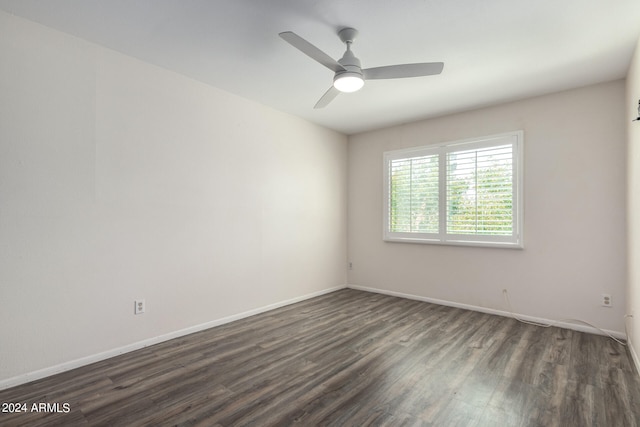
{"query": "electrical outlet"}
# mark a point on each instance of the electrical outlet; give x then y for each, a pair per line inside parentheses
(350, 266)
(606, 300)
(139, 306)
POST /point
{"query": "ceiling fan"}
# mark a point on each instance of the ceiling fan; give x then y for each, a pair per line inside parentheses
(349, 76)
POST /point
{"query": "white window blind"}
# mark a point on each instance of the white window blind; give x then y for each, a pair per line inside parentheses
(462, 192)
(414, 195)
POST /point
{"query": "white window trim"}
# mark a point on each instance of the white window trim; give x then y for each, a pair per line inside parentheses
(442, 238)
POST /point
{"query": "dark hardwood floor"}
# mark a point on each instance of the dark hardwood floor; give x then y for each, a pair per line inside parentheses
(352, 358)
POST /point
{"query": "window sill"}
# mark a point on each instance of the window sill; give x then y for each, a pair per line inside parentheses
(482, 244)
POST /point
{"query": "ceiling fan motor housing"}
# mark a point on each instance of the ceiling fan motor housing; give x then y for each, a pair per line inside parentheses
(352, 71)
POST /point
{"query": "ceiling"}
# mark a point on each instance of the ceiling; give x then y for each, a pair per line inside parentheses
(494, 50)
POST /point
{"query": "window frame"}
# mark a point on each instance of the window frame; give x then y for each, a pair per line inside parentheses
(443, 237)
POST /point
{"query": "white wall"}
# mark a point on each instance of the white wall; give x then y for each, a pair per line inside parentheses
(574, 217)
(633, 195)
(121, 180)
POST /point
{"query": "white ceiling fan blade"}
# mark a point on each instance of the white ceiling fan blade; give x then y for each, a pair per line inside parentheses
(327, 98)
(403, 70)
(310, 50)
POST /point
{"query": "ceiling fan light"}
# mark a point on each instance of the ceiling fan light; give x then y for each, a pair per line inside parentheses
(348, 82)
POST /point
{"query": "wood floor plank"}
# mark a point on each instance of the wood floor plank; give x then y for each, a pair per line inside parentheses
(352, 358)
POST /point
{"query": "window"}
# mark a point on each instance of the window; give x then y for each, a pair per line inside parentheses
(462, 193)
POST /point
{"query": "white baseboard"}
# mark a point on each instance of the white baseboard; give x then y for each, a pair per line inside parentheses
(83, 361)
(560, 324)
